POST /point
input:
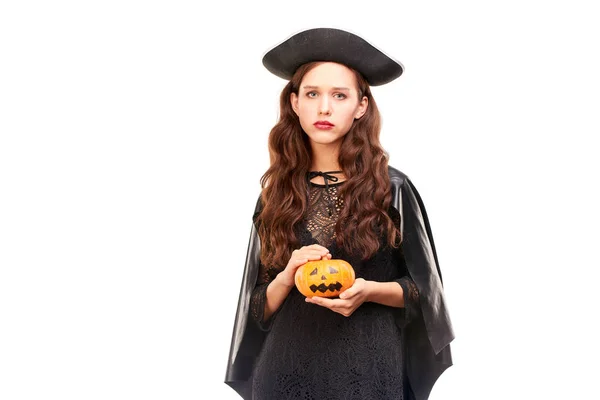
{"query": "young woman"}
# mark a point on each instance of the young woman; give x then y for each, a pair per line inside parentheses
(330, 193)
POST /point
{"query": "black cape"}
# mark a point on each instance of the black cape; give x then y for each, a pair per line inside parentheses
(427, 338)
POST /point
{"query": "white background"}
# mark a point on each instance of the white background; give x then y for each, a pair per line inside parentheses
(133, 137)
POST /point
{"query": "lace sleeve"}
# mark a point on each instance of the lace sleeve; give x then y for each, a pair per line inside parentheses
(259, 297)
(412, 307)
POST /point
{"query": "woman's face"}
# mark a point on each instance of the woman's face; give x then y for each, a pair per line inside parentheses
(327, 103)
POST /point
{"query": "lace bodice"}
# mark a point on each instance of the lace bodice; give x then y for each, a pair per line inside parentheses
(324, 209)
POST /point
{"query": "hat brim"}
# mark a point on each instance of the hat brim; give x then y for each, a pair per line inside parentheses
(335, 45)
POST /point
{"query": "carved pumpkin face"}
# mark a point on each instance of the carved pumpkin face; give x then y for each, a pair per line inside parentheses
(324, 278)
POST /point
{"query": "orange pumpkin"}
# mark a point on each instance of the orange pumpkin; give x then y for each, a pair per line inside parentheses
(324, 278)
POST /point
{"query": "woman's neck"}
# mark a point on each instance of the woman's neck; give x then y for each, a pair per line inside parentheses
(325, 157)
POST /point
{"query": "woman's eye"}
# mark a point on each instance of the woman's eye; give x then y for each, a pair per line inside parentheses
(339, 96)
(311, 94)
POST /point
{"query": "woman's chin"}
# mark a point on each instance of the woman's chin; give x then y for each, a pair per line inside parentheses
(325, 138)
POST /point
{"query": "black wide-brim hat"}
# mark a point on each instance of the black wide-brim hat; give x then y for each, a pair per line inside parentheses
(336, 45)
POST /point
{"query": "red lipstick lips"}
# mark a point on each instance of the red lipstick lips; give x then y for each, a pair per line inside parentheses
(323, 125)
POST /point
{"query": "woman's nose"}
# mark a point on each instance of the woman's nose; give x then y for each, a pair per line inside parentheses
(324, 107)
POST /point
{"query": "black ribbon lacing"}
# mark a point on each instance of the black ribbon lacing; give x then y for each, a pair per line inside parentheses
(326, 177)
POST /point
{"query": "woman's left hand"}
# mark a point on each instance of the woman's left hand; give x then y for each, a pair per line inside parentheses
(348, 301)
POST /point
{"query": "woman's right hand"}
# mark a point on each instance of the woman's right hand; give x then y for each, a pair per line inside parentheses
(299, 257)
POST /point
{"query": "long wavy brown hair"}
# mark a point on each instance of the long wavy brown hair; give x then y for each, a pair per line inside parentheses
(366, 192)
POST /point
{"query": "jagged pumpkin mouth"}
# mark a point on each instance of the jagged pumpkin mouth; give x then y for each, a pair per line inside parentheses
(332, 287)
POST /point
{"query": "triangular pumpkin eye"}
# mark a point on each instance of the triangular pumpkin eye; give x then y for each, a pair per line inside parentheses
(333, 270)
(314, 272)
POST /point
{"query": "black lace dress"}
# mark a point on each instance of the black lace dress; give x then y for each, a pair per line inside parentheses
(311, 352)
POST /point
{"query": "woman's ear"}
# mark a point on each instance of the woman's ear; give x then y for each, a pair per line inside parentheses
(294, 102)
(362, 108)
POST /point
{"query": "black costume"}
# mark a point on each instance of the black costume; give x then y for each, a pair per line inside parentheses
(379, 352)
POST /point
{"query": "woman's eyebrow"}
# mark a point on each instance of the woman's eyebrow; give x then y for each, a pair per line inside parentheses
(316, 87)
